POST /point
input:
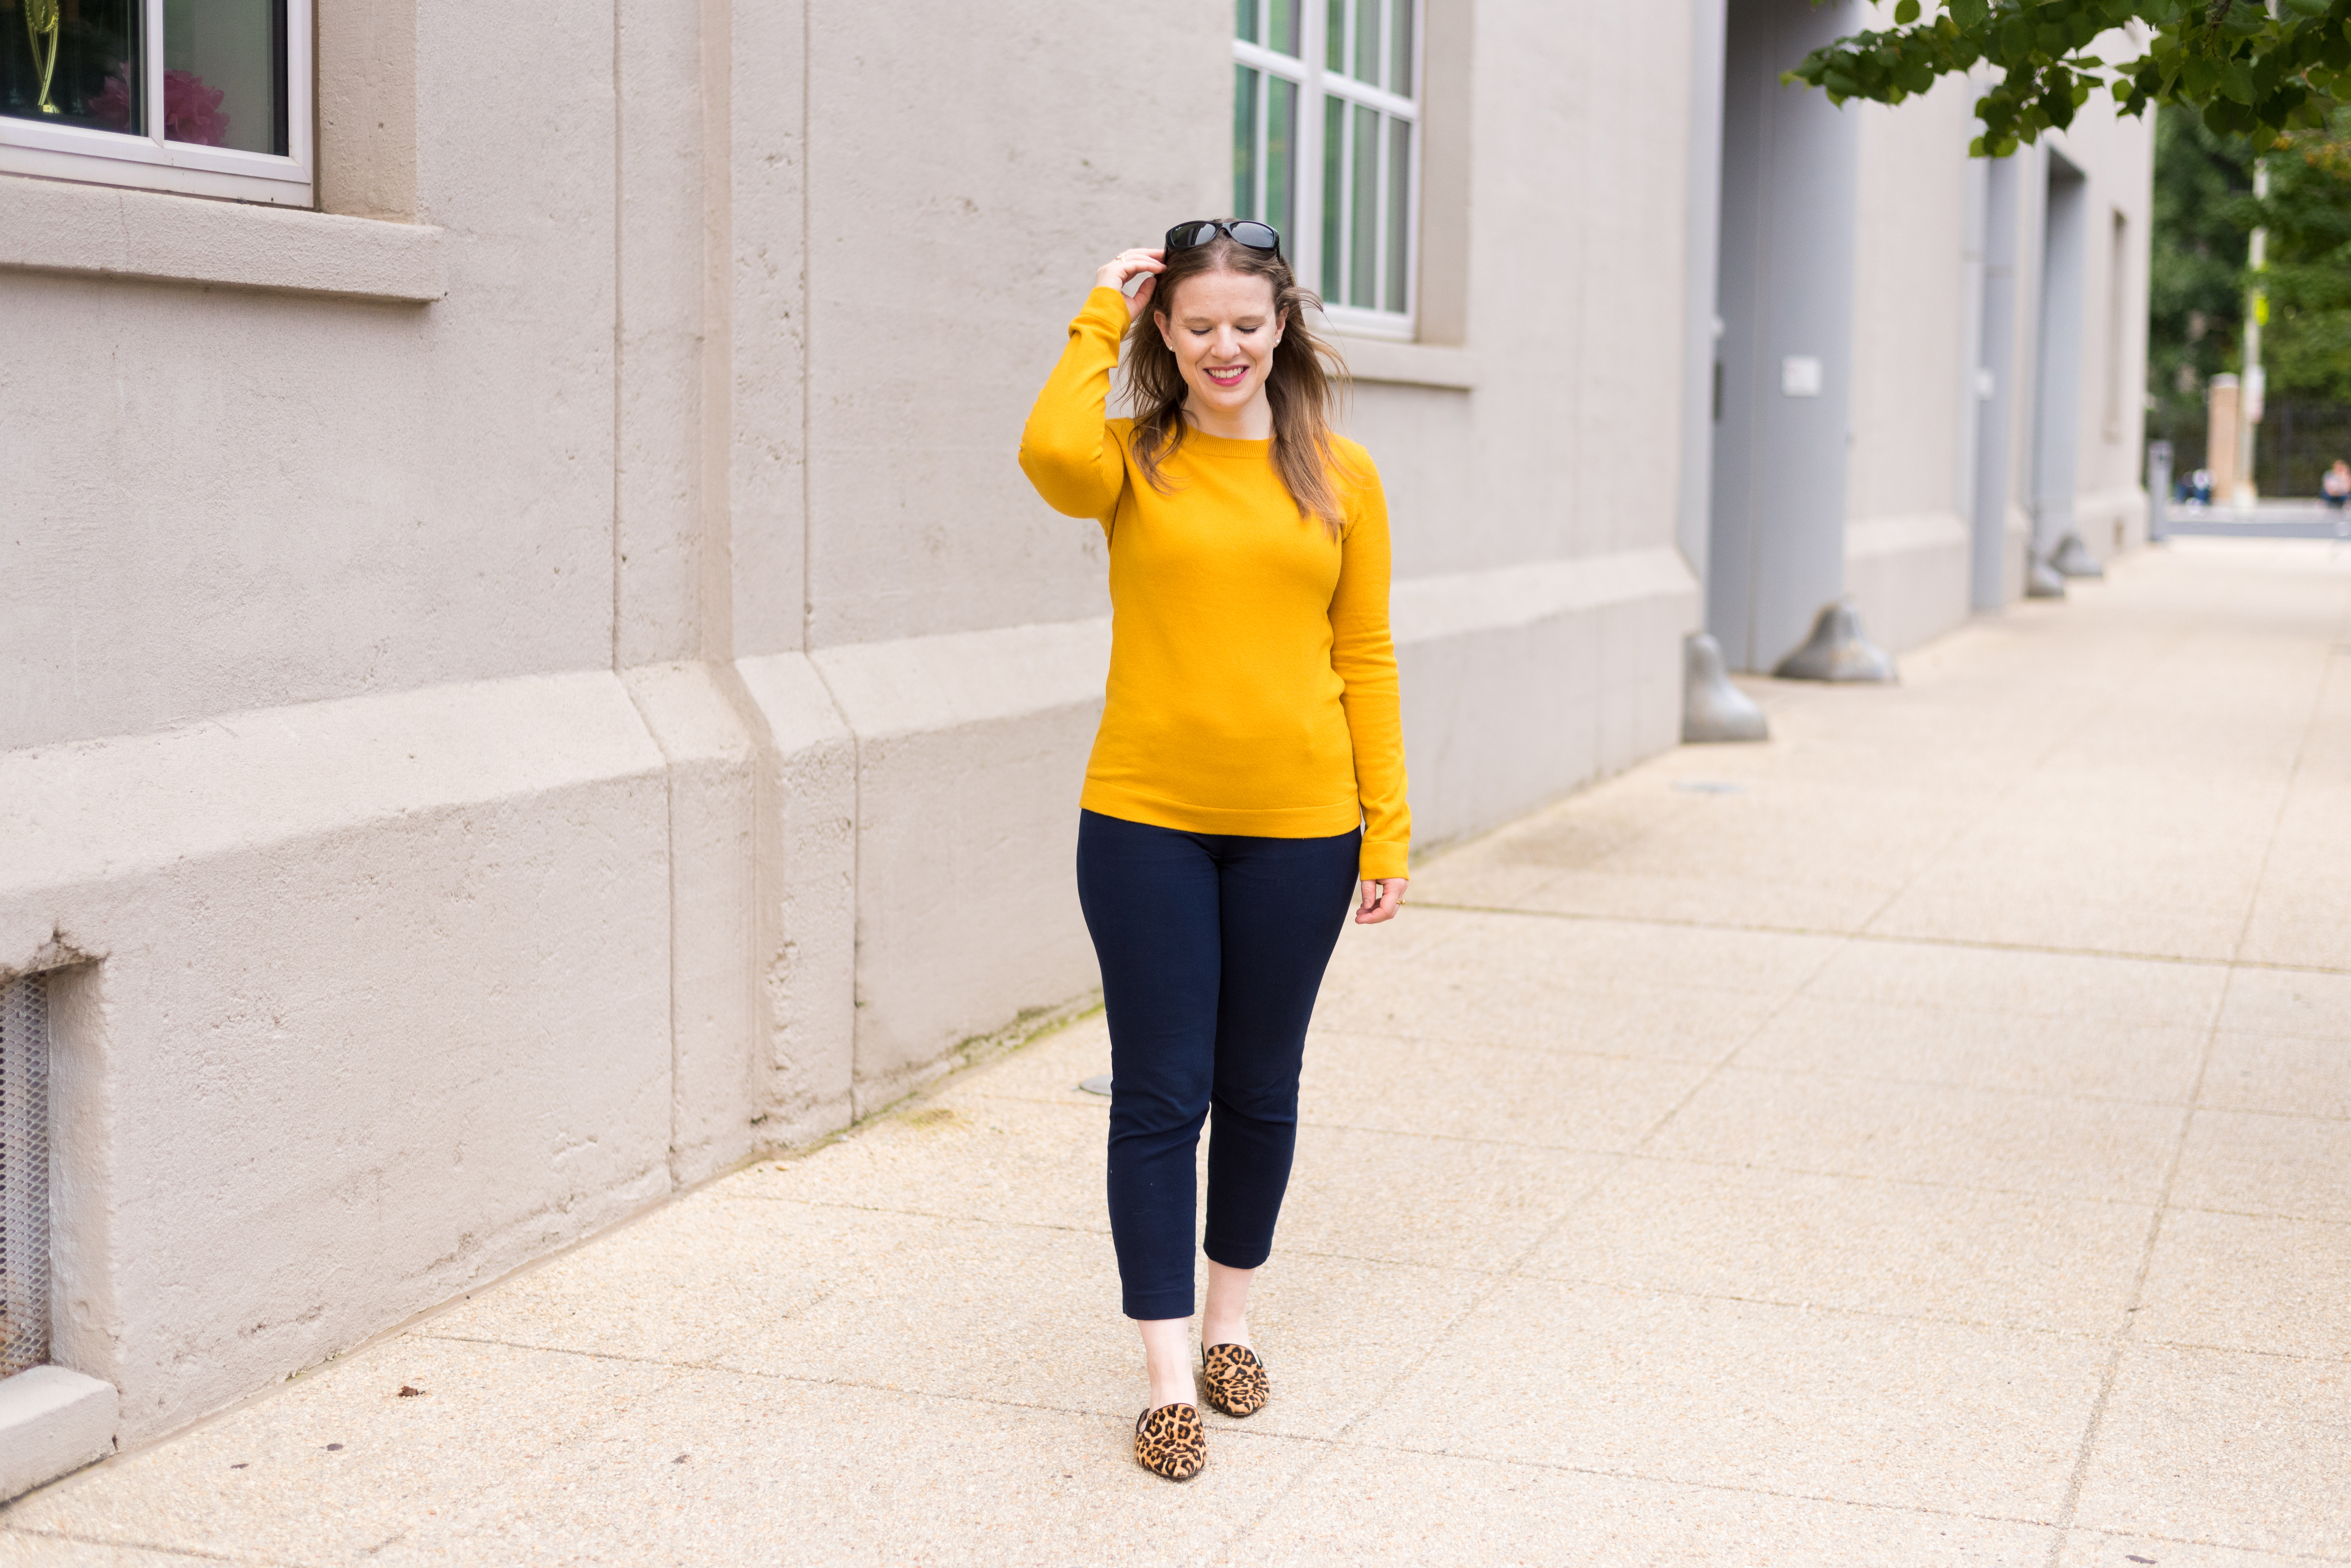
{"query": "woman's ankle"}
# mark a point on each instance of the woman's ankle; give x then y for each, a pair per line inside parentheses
(1167, 1361)
(1230, 1330)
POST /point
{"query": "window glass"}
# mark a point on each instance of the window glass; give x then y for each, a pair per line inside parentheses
(1244, 141)
(1280, 155)
(71, 62)
(1281, 34)
(1245, 21)
(1325, 130)
(224, 73)
(1399, 210)
(1334, 154)
(1363, 204)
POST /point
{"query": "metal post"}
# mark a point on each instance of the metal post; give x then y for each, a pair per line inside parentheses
(2257, 316)
(2159, 490)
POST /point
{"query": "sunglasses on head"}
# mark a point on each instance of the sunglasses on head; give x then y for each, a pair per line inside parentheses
(1247, 234)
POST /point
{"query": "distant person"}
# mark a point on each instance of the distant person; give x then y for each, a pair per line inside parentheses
(1249, 771)
(2200, 486)
(2336, 488)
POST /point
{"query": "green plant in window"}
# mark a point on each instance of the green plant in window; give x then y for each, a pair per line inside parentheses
(41, 19)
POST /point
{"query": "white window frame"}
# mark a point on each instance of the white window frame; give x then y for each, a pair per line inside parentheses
(148, 162)
(1316, 82)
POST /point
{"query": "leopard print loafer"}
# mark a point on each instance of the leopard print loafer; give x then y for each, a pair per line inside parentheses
(1235, 1379)
(1171, 1442)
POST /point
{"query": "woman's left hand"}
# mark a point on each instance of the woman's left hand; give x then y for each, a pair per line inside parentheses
(1383, 896)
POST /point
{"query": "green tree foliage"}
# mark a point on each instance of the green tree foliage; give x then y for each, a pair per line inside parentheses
(2196, 287)
(2244, 70)
(2306, 344)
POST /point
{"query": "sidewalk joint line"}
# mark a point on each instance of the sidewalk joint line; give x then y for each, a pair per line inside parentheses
(2124, 1340)
(2114, 1534)
(1832, 1309)
(1730, 1487)
(195, 1553)
(1891, 938)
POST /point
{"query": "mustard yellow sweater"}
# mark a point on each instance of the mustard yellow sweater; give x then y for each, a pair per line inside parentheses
(1252, 679)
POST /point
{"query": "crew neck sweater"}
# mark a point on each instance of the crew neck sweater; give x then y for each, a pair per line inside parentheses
(1253, 677)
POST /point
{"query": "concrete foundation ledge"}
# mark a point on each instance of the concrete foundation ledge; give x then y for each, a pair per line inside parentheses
(56, 226)
(1523, 682)
(970, 753)
(1908, 576)
(918, 685)
(2111, 521)
(386, 980)
(90, 811)
(1427, 609)
(52, 1421)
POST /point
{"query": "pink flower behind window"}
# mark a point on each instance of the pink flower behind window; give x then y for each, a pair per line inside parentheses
(191, 110)
(113, 104)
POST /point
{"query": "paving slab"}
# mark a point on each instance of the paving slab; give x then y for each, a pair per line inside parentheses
(2100, 1549)
(1366, 1504)
(1449, 1087)
(1851, 1406)
(2239, 1282)
(715, 1468)
(1981, 1048)
(2265, 1162)
(2250, 1451)
(1902, 1249)
(1991, 1138)
(1917, 1139)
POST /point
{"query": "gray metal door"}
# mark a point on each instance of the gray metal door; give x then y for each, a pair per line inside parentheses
(1791, 166)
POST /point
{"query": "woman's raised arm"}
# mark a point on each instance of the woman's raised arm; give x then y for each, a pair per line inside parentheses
(1067, 448)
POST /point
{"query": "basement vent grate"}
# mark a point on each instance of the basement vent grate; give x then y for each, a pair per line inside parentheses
(24, 1173)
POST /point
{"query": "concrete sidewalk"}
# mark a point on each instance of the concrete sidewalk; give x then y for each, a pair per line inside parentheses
(1920, 1140)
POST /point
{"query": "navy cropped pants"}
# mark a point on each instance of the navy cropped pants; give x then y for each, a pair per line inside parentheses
(1212, 948)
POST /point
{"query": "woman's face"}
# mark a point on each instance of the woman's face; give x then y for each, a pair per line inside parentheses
(1222, 327)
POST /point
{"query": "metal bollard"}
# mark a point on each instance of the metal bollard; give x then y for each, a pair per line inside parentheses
(2159, 491)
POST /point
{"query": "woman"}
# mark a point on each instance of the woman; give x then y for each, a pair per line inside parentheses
(1250, 766)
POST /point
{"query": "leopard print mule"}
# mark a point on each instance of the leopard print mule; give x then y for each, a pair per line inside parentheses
(1235, 1379)
(1171, 1442)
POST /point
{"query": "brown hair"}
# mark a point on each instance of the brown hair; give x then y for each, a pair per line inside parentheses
(1303, 394)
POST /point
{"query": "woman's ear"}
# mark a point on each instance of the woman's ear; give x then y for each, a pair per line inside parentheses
(1159, 320)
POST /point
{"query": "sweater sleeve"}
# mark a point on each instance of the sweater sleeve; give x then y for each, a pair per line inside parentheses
(1363, 654)
(1068, 449)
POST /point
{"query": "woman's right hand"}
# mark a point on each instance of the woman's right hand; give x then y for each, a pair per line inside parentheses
(1118, 269)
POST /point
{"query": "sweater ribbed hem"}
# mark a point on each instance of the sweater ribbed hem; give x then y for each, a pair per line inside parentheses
(1378, 859)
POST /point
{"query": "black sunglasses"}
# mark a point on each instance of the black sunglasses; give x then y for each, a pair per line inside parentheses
(1247, 234)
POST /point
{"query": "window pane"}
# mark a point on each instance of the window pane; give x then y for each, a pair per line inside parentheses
(1399, 213)
(1245, 20)
(1282, 156)
(71, 62)
(224, 73)
(1334, 39)
(1363, 210)
(1400, 54)
(1334, 152)
(1283, 34)
(1367, 41)
(1244, 142)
